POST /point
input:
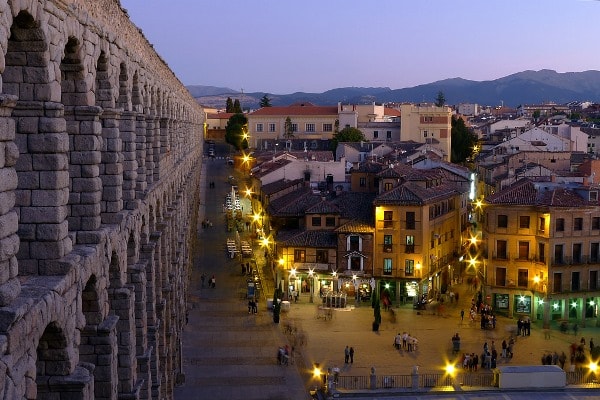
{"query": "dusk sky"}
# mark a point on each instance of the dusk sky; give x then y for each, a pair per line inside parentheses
(284, 46)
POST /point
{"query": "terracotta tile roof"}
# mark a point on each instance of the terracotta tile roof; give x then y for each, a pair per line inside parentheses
(527, 192)
(219, 115)
(279, 185)
(299, 238)
(392, 112)
(267, 167)
(355, 227)
(293, 204)
(368, 167)
(323, 207)
(410, 193)
(356, 206)
(295, 109)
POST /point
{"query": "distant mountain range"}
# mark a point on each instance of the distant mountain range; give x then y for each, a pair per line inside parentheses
(527, 87)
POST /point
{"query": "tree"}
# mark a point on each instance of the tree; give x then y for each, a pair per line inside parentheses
(265, 101)
(237, 108)
(229, 105)
(235, 129)
(440, 100)
(463, 141)
(348, 134)
(288, 128)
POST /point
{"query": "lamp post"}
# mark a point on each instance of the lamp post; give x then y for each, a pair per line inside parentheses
(311, 275)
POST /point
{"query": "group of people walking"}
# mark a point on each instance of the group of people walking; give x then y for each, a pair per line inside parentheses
(405, 342)
(211, 282)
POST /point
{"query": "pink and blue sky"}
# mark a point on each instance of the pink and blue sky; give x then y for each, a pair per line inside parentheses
(286, 46)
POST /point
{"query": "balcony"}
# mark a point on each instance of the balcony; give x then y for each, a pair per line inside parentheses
(409, 249)
(501, 256)
(572, 260)
(388, 248)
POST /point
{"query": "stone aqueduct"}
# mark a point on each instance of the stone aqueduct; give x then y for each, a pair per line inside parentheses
(100, 156)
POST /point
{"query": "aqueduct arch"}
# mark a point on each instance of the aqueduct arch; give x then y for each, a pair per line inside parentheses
(95, 197)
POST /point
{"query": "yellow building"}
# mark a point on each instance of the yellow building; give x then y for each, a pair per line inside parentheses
(418, 220)
(427, 124)
(308, 122)
(542, 241)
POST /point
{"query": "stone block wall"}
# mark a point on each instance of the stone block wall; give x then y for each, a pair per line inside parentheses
(100, 152)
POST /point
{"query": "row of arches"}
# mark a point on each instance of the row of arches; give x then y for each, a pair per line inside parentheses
(100, 147)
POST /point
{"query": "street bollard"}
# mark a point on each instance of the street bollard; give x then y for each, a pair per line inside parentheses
(373, 379)
(415, 377)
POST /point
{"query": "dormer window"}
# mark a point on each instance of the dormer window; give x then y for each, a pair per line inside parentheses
(354, 243)
(593, 196)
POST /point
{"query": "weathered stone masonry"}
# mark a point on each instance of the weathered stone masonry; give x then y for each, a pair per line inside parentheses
(100, 151)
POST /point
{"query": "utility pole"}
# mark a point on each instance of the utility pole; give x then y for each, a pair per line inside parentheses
(242, 100)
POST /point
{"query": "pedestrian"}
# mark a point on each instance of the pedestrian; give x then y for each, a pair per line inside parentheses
(575, 329)
(462, 315)
(504, 347)
(351, 352)
(397, 341)
(212, 282)
(254, 306)
(562, 359)
(202, 278)
(591, 345)
(249, 306)
(243, 269)
(456, 297)
(346, 355)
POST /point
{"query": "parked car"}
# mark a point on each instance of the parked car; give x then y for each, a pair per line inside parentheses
(229, 160)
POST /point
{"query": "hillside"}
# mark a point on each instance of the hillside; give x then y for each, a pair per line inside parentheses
(527, 87)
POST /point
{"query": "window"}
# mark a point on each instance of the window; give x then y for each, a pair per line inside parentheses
(577, 253)
(427, 119)
(410, 220)
(299, 256)
(594, 249)
(523, 277)
(424, 133)
(354, 243)
(524, 222)
(259, 127)
(557, 283)
(294, 127)
(575, 280)
(523, 250)
(387, 266)
(362, 182)
(316, 221)
(502, 221)
(356, 263)
(322, 256)
(388, 134)
(387, 219)
(542, 224)
(271, 127)
(388, 186)
(578, 224)
(558, 254)
(593, 280)
(595, 223)
(410, 244)
(501, 249)
(560, 225)
(594, 196)
(310, 127)
(542, 252)
(330, 221)
(409, 267)
(327, 128)
(375, 134)
(500, 276)
(387, 243)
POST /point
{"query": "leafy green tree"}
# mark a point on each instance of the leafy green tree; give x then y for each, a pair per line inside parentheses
(265, 101)
(463, 141)
(237, 108)
(229, 105)
(348, 134)
(440, 100)
(288, 128)
(235, 129)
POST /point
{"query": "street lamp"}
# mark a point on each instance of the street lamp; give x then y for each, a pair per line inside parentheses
(311, 274)
(335, 278)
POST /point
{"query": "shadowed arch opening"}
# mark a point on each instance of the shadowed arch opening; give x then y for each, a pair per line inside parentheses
(83, 127)
(26, 76)
(53, 359)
